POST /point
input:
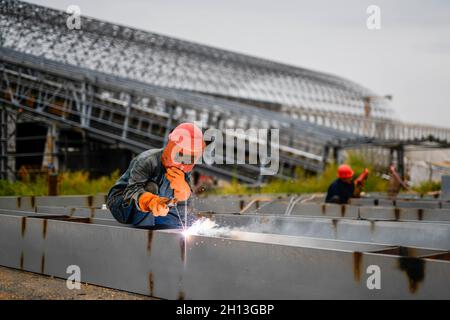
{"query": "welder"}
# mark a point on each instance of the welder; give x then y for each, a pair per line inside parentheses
(344, 188)
(153, 191)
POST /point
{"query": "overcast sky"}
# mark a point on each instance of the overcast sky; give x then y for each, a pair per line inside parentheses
(409, 57)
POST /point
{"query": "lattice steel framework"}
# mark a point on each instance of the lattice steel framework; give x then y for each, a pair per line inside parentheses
(110, 108)
(172, 63)
(127, 85)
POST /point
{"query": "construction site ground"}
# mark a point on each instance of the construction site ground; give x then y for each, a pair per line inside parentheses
(21, 285)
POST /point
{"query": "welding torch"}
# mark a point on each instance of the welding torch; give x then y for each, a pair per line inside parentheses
(172, 203)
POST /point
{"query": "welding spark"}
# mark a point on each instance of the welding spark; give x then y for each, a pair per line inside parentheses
(185, 233)
(205, 227)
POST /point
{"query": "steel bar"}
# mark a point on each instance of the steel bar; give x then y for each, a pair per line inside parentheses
(106, 102)
(369, 213)
(163, 264)
(401, 203)
(420, 233)
(423, 234)
(30, 202)
(89, 206)
(226, 203)
(355, 212)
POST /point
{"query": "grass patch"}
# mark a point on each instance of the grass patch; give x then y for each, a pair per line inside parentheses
(69, 183)
(427, 186)
(305, 183)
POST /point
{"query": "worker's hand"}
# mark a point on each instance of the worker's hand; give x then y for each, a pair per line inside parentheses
(358, 190)
(361, 180)
(181, 189)
(149, 202)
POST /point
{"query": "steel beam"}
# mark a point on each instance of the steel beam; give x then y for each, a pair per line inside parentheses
(313, 226)
(30, 202)
(316, 211)
(245, 266)
(404, 214)
(355, 212)
(224, 203)
(89, 206)
(401, 203)
(422, 234)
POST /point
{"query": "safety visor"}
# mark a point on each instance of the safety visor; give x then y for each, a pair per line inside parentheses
(182, 156)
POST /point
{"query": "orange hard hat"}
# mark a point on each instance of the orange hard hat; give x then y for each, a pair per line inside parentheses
(345, 171)
(185, 143)
(189, 137)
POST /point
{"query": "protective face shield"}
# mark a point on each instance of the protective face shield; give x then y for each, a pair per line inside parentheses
(184, 148)
(175, 156)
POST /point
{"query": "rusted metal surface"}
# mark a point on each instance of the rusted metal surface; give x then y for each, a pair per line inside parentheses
(420, 203)
(422, 234)
(306, 210)
(404, 214)
(52, 184)
(258, 204)
(300, 251)
(240, 266)
(30, 202)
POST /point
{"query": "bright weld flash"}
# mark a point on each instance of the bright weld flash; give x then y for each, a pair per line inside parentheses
(185, 233)
(202, 226)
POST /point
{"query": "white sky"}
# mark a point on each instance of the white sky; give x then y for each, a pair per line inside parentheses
(408, 58)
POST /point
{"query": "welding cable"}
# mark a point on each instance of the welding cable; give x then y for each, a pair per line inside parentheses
(289, 205)
(292, 204)
(297, 199)
(272, 201)
(314, 196)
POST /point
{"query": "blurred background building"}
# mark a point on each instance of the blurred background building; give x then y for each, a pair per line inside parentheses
(91, 98)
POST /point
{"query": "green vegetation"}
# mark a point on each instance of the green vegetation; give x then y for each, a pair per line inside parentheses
(233, 188)
(79, 182)
(69, 183)
(310, 184)
(427, 186)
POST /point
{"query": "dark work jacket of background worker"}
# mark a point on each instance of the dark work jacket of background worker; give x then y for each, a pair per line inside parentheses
(123, 197)
(340, 192)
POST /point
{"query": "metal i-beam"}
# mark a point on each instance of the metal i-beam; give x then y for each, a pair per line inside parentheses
(73, 205)
(245, 266)
(30, 202)
(402, 203)
(7, 143)
(351, 212)
(422, 234)
(369, 213)
(261, 204)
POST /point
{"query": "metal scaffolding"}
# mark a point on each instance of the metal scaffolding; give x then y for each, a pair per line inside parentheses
(86, 99)
(130, 87)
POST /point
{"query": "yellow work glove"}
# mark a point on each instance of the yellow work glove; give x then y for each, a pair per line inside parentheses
(156, 205)
(181, 189)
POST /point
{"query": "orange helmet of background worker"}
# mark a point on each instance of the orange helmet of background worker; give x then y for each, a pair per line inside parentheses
(345, 172)
(184, 148)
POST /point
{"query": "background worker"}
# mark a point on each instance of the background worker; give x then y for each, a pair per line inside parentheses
(396, 182)
(344, 188)
(157, 179)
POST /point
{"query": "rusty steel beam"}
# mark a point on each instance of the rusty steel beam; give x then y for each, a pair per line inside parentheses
(240, 265)
(422, 234)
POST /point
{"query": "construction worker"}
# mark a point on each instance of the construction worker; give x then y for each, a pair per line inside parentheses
(344, 188)
(154, 190)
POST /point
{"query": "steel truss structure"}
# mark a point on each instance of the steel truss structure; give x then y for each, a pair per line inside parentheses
(129, 87)
(85, 99)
